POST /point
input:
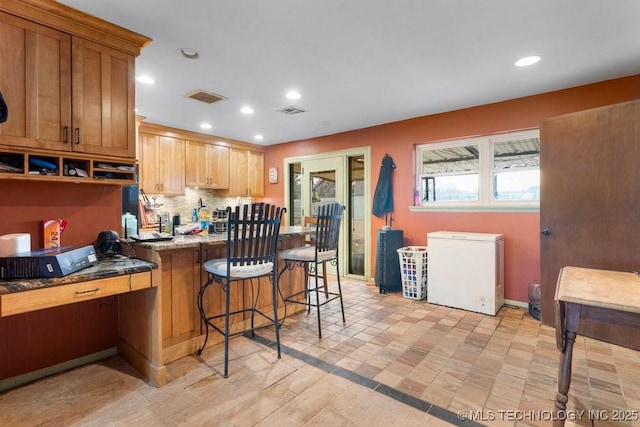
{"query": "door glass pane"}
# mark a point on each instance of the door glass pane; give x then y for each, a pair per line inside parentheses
(323, 189)
(295, 194)
(356, 215)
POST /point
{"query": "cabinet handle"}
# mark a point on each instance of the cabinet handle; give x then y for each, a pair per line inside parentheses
(77, 135)
(90, 291)
(65, 130)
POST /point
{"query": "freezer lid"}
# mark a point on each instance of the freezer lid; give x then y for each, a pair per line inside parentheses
(460, 235)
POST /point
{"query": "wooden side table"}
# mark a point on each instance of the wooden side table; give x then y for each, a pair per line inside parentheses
(597, 295)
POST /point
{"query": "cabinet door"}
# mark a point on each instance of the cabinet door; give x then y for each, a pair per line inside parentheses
(206, 165)
(148, 160)
(238, 178)
(246, 174)
(103, 100)
(218, 166)
(161, 164)
(170, 166)
(195, 164)
(180, 284)
(256, 174)
(35, 79)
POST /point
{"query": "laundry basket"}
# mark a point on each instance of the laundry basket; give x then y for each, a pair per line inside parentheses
(413, 267)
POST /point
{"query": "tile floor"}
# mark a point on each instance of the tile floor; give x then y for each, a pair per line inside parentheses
(395, 362)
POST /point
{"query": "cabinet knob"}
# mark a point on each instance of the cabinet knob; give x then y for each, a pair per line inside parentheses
(546, 232)
(77, 135)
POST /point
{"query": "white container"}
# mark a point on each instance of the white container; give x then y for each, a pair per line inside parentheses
(413, 270)
(11, 244)
(466, 270)
(129, 225)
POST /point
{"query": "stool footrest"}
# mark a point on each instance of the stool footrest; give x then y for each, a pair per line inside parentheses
(332, 296)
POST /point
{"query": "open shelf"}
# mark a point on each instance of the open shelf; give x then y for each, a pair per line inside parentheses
(17, 163)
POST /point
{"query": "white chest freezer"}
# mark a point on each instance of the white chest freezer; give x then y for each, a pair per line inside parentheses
(466, 270)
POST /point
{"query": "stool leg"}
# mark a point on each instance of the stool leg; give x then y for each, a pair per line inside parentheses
(274, 285)
(324, 279)
(307, 292)
(340, 290)
(318, 303)
(226, 331)
(203, 315)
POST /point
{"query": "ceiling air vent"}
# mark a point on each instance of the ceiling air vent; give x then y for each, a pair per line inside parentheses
(204, 96)
(292, 110)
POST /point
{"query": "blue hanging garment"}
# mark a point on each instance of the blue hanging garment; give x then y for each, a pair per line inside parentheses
(383, 195)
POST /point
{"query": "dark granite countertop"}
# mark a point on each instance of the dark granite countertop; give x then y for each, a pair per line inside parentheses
(191, 241)
(108, 267)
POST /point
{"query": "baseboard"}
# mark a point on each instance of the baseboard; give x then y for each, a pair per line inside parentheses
(19, 380)
(516, 303)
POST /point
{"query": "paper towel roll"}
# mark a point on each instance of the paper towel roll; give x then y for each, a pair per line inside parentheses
(11, 244)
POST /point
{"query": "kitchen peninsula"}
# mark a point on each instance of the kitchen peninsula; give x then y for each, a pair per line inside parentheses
(173, 328)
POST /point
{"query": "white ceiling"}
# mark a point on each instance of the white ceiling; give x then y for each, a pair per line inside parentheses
(359, 63)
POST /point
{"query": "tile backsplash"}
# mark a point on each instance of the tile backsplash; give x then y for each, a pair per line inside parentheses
(184, 205)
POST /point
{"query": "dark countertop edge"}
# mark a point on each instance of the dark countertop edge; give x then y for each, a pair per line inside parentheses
(194, 241)
(113, 267)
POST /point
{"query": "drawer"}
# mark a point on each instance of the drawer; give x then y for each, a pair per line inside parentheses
(37, 299)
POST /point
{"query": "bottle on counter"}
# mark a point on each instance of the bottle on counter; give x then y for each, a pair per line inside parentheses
(129, 225)
(194, 215)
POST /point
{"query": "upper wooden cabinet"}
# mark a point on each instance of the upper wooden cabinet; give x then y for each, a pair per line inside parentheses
(68, 79)
(103, 100)
(246, 177)
(161, 164)
(207, 165)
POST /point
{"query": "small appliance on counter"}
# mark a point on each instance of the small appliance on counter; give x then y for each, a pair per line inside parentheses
(47, 262)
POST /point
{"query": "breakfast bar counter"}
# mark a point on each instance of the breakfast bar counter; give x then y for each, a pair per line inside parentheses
(174, 328)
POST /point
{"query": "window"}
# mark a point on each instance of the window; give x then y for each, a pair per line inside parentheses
(493, 172)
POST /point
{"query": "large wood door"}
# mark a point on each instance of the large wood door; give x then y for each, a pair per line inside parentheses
(590, 201)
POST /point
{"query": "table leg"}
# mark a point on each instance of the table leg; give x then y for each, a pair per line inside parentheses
(570, 329)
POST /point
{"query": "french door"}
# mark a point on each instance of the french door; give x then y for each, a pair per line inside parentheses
(334, 177)
(321, 185)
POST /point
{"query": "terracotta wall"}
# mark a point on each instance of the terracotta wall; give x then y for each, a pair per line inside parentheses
(521, 230)
(43, 338)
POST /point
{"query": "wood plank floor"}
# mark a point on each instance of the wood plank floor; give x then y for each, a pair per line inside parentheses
(395, 362)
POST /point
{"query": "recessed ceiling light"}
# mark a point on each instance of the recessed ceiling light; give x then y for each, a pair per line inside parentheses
(258, 137)
(188, 53)
(527, 60)
(205, 126)
(293, 94)
(148, 80)
(246, 110)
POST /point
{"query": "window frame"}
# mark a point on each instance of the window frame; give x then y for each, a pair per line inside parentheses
(485, 200)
